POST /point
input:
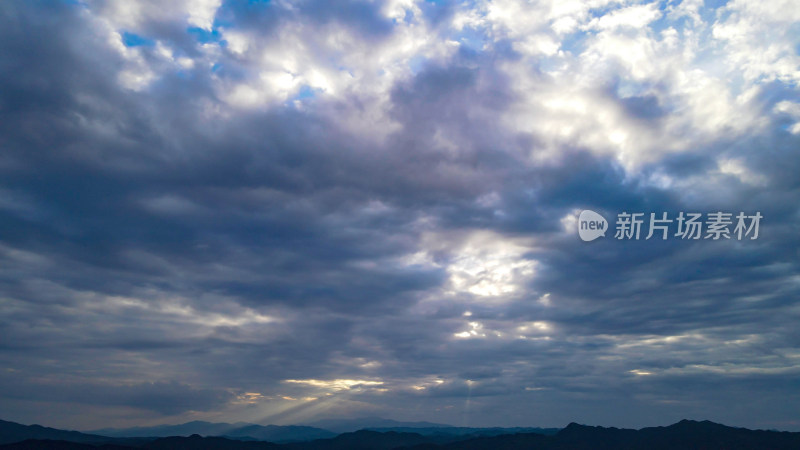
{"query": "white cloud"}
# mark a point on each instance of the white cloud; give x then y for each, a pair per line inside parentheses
(343, 384)
(202, 12)
(481, 263)
(637, 16)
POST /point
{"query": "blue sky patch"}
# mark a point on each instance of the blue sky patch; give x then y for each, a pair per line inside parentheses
(135, 40)
(205, 36)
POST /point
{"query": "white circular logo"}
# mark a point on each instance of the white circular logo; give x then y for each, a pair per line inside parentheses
(591, 225)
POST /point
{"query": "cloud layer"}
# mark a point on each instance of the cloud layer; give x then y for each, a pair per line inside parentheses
(280, 211)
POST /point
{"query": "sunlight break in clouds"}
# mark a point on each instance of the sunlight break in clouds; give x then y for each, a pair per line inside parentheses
(290, 211)
(336, 385)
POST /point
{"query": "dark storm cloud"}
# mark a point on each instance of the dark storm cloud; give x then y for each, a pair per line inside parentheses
(146, 238)
(238, 184)
(165, 398)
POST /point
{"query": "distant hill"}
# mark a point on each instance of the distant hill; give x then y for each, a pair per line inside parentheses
(240, 430)
(684, 435)
(299, 433)
(280, 433)
(708, 434)
(504, 442)
(45, 444)
(13, 432)
(185, 429)
(193, 442)
(366, 440)
(362, 423)
(197, 442)
(468, 431)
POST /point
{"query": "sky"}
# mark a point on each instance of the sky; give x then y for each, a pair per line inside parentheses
(287, 211)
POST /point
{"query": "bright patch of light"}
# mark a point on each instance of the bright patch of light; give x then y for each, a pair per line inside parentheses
(490, 266)
(202, 12)
(475, 331)
(249, 398)
(737, 168)
(336, 385)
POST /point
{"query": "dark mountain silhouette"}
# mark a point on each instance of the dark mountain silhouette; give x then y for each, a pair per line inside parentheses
(504, 442)
(468, 431)
(359, 440)
(45, 444)
(710, 435)
(684, 435)
(299, 433)
(367, 440)
(184, 429)
(240, 430)
(279, 433)
(583, 436)
(197, 442)
(193, 442)
(350, 425)
(15, 432)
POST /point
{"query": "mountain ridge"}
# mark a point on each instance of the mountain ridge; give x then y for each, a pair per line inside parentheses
(686, 434)
(238, 430)
(362, 423)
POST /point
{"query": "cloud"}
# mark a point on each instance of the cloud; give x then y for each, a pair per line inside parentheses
(165, 398)
(280, 211)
